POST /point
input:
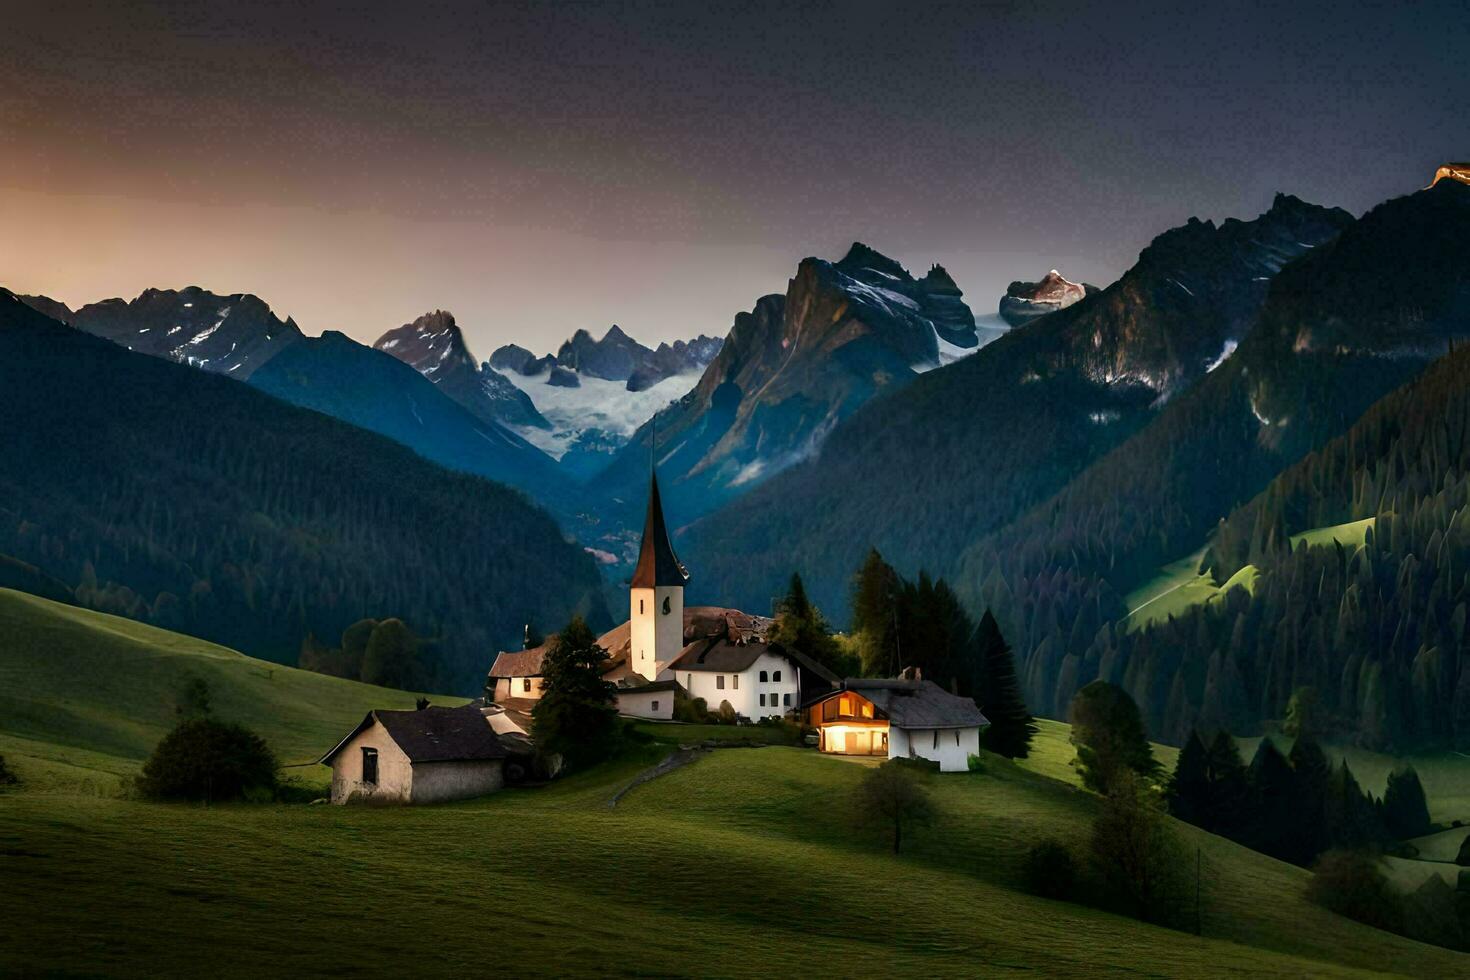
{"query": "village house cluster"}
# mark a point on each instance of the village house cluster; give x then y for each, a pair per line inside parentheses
(664, 651)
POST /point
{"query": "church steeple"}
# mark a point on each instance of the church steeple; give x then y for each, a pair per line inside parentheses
(657, 563)
(656, 596)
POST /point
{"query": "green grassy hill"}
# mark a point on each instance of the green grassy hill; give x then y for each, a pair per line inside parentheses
(747, 862)
(93, 693)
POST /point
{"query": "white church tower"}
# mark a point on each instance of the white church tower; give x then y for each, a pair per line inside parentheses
(656, 600)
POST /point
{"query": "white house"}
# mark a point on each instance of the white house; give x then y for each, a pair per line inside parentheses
(665, 650)
(903, 718)
(425, 756)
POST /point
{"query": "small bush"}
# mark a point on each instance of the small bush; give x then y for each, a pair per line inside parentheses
(1050, 870)
(694, 711)
(1352, 883)
(726, 715)
(204, 759)
(7, 778)
(975, 764)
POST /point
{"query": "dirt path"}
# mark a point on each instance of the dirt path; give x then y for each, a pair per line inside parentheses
(679, 758)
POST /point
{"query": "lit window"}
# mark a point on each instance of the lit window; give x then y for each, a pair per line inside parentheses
(763, 677)
(775, 677)
(720, 682)
(526, 684)
(370, 766)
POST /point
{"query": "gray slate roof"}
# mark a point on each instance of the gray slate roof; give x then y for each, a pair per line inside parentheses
(435, 734)
(915, 704)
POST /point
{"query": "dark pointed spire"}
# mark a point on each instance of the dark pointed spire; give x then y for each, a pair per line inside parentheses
(657, 563)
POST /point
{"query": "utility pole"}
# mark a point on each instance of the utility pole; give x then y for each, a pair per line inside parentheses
(1198, 928)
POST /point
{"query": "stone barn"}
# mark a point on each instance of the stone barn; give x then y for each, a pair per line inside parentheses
(427, 756)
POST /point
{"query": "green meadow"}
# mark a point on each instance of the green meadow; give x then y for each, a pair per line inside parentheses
(747, 862)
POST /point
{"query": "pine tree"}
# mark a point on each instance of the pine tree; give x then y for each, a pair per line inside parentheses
(576, 716)
(1405, 810)
(1271, 787)
(875, 597)
(999, 694)
(1228, 787)
(1311, 773)
(1188, 795)
(800, 626)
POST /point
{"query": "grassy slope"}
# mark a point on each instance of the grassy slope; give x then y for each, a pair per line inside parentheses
(1179, 586)
(747, 862)
(89, 692)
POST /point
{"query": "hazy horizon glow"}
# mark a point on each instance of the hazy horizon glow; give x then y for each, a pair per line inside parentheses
(539, 169)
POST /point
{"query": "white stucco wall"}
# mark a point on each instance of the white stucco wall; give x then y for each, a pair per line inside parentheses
(641, 704)
(744, 690)
(953, 752)
(654, 635)
(395, 772)
(439, 782)
(513, 687)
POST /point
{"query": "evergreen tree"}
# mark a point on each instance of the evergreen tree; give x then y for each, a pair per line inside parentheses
(1228, 787)
(999, 694)
(576, 716)
(1352, 818)
(1405, 810)
(1188, 794)
(875, 596)
(1311, 773)
(800, 626)
(1271, 786)
(391, 658)
(1109, 734)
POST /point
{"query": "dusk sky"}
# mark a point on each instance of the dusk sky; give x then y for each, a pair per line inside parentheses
(539, 168)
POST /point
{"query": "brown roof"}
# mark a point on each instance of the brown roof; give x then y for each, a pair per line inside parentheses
(914, 704)
(521, 663)
(435, 734)
(657, 563)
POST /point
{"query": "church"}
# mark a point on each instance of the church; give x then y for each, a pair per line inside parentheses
(667, 650)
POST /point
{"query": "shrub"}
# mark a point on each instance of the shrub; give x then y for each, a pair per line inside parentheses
(1050, 870)
(726, 714)
(1352, 883)
(692, 710)
(975, 764)
(204, 759)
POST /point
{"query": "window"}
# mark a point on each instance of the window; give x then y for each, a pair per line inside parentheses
(370, 766)
(763, 677)
(735, 681)
(957, 736)
(640, 607)
(720, 682)
(689, 681)
(936, 738)
(775, 677)
(655, 706)
(763, 700)
(526, 685)
(788, 700)
(666, 605)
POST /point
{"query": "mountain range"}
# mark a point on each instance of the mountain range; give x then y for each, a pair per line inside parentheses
(154, 490)
(921, 472)
(790, 370)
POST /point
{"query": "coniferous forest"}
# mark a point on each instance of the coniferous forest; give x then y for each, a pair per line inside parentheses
(252, 523)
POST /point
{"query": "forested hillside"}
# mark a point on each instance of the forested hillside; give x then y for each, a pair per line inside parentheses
(1341, 328)
(951, 457)
(196, 503)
